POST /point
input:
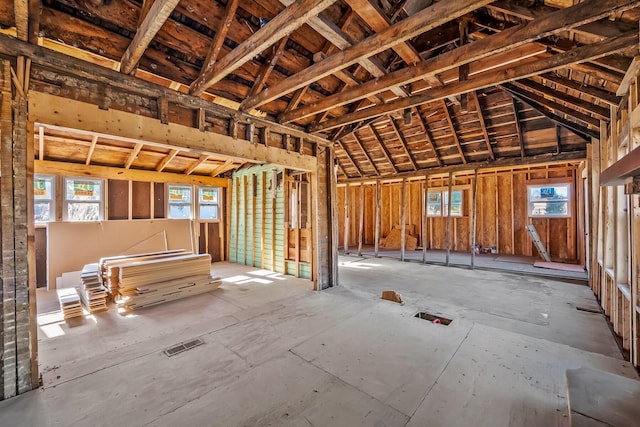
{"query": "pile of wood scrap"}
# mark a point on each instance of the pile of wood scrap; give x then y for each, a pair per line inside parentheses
(393, 240)
(69, 302)
(143, 281)
(93, 294)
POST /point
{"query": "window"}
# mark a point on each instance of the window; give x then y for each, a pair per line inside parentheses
(83, 199)
(44, 208)
(208, 203)
(552, 200)
(179, 201)
(438, 203)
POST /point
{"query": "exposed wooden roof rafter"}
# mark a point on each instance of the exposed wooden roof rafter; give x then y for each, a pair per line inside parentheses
(384, 148)
(454, 133)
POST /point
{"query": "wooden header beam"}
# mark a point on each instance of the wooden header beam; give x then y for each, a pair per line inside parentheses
(53, 110)
(622, 170)
(48, 167)
(505, 162)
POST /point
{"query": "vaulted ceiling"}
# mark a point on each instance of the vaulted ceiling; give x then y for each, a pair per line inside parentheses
(398, 86)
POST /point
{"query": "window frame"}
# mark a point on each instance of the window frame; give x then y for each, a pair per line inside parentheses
(200, 203)
(190, 203)
(66, 201)
(568, 185)
(51, 199)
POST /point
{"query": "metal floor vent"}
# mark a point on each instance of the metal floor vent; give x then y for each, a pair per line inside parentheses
(179, 348)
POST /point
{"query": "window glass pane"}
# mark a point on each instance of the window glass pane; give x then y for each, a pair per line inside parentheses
(208, 212)
(456, 203)
(434, 205)
(42, 211)
(549, 200)
(179, 211)
(83, 189)
(179, 194)
(42, 188)
(83, 211)
(208, 195)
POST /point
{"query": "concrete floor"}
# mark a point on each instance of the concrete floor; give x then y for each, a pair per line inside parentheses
(276, 353)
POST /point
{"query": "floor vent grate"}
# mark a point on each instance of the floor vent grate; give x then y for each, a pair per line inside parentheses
(179, 348)
(433, 319)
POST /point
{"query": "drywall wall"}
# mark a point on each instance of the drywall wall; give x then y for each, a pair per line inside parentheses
(71, 245)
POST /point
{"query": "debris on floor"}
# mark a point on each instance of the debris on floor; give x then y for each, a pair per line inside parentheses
(392, 296)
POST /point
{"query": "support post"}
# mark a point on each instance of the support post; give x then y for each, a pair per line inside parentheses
(474, 218)
(326, 223)
(361, 229)
(345, 235)
(377, 226)
(425, 220)
(403, 219)
(449, 218)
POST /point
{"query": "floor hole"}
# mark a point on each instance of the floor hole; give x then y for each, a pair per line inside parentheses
(179, 348)
(433, 319)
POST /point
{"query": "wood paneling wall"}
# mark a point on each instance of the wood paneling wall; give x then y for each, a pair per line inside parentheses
(502, 212)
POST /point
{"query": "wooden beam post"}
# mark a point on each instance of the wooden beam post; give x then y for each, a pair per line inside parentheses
(326, 220)
(345, 235)
(403, 219)
(361, 221)
(448, 242)
(377, 225)
(474, 218)
(425, 218)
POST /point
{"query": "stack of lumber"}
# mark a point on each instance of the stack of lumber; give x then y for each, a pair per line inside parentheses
(145, 281)
(110, 266)
(393, 240)
(93, 294)
(69, 302)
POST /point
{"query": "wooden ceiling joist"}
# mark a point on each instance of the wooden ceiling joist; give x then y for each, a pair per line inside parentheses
(92, 147)
(385, 150)
(406, 29)
(280, 26)
(218, 38)
(425, 132)
(403, 141)
(506, 40)
(133, 155)
(195, 165)
(519, 132)
(165, 161)
(601, 95)
(153, 21)
(337, 37)
(268, 66)
(366, 153)
(526, 70)
(483, 125)
(576, 128)
(454, 133)
(351, 160)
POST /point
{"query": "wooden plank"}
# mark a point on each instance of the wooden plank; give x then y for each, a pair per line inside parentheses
(280, 26)
(366, 154)
(623, 169)
(163, 163)
(153, 21)
(267, 67)
(525, 70)
(92, 147)
(406, 29)
(203, 158)
(345, 235)
(134, 154)
(601, 95)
